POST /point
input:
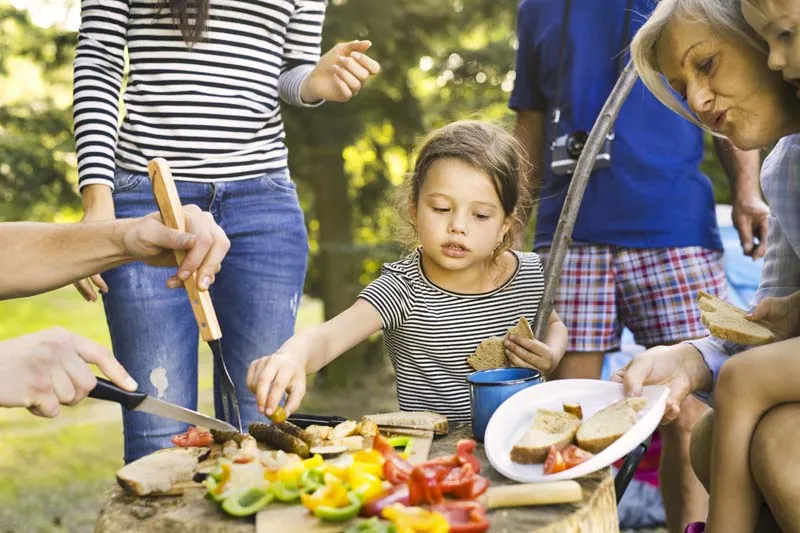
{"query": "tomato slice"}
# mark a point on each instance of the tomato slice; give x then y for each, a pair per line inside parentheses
(575, 455)
(193, 437)
(554, 462)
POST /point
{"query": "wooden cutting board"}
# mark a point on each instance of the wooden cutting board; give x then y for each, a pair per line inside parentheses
(296, 518)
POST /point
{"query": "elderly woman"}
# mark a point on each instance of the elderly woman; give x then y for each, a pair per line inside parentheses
(701, 59)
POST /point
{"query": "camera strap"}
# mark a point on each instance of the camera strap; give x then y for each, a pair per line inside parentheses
(562, 45)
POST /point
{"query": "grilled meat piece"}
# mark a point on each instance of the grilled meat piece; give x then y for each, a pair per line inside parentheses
(274, 437)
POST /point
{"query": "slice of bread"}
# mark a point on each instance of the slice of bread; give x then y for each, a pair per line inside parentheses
(728, 322)
(549, 428)
(522, 329)
(491, 353)
(425, 420)
(607, 425)
(161, 472)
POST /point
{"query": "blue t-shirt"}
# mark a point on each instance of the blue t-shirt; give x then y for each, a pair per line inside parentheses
(654, 194)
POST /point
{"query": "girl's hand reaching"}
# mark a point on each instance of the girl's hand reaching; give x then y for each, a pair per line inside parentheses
(270, 377)
(340, 74)
(530, 353)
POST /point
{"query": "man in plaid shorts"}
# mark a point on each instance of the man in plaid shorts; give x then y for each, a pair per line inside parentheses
(646, 239)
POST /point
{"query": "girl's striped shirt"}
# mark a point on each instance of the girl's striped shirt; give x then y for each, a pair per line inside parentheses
(429, 332)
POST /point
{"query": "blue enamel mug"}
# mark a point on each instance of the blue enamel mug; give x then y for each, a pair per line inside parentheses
(489, 388)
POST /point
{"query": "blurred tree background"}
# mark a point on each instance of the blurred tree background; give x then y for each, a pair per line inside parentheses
(441, 59)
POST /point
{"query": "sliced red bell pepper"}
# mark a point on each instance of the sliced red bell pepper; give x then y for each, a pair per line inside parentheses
(396, 494)
(464, 516)
(395, 468)
(479, 486)
(465, 449)
(458, 482)
(423, 486)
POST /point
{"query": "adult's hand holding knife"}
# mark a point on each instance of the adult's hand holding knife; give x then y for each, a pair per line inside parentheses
(44, 370)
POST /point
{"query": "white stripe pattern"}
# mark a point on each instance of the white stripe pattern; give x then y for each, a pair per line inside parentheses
(211, 110)
(429, 332)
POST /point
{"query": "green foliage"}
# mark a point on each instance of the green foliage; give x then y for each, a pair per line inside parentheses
(441, 60)
(37, 159)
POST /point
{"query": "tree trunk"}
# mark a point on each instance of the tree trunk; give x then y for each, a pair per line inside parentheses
(340, 261)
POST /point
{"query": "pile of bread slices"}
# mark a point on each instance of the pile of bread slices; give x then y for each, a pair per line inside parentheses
(559, 429)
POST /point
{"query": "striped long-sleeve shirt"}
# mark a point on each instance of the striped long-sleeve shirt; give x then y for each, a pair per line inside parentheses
(429, 332)
(212, 110)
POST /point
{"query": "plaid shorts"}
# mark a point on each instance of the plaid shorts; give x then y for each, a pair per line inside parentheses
(652, 292)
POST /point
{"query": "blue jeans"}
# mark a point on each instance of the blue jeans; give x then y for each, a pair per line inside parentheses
(256, 296)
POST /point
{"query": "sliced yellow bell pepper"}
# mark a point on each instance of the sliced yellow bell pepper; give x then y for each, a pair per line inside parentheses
(332, 494)
(369, 456)
(292, 472)
(415, 519)
(223, 478)
(335, 470)
(313, 462)
(363, 482)
(368, 463)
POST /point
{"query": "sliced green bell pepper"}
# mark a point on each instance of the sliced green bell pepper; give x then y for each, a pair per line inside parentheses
(211, 489)
(285, 492)
(340, 514)
(248, 502)
(406, 443)
(311, 479)
(373, 525)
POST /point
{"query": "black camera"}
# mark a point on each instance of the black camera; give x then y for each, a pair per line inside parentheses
(567, 148)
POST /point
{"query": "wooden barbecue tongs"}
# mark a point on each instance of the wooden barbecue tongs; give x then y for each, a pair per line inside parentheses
(169, 204)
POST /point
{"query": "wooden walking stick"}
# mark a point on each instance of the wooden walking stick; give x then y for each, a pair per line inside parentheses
(572, 203)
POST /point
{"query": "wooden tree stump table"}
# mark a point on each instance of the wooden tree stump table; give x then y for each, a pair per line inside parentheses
(189, 513)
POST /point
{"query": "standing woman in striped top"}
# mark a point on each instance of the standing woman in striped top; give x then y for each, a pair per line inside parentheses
(461, 285)
(203, 92)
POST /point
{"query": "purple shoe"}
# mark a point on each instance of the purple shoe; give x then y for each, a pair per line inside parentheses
(696, 527)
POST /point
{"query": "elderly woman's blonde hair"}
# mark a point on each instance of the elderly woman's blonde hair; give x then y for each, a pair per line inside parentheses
(722, 16)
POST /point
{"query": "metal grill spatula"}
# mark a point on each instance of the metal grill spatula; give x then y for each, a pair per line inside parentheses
(169, 204)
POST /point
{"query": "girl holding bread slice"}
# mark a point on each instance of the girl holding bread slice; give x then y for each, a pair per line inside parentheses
(462, 283)
(705, 52)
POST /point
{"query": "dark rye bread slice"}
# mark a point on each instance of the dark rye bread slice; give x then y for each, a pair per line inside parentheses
(549, 428)
(491, 353)
(522, 329)
(728, 322)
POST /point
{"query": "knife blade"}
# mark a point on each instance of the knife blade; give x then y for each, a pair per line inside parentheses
(140, 401)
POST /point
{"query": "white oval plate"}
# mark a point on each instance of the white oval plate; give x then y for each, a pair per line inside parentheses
(514, 417)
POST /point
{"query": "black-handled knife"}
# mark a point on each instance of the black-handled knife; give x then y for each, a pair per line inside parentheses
(303, 420)
(139, 401)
